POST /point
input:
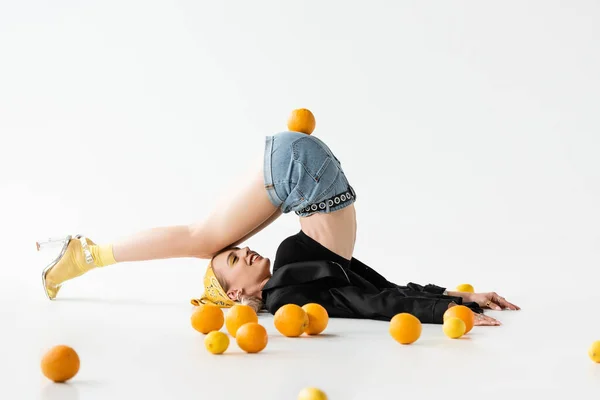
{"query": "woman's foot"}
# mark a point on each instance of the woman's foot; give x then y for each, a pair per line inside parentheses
(75, 259)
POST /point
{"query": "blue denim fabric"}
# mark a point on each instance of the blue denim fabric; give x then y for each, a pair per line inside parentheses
(301, 174)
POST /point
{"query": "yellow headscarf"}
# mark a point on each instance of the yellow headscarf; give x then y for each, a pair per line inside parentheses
(213, 291)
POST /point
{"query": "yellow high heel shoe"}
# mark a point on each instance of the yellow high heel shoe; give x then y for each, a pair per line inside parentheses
(75, 259)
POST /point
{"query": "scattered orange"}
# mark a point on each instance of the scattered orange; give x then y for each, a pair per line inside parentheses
(216, 342)
(462, 312)
(405, 328)
(465, 287)
(454, 327)
(239, 315)
(312, 394)
(594, 351)
(317, 318)
(60, 363)
(301, 120)
(252, 337)
(291, 320)
(207, 318)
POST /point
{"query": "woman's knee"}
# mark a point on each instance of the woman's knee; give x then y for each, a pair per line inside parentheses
(201, 243)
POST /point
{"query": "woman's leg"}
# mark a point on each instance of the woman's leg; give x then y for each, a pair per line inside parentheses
(247, 211)
(156, 243)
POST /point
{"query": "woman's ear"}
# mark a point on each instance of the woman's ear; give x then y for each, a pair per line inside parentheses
(234, 294)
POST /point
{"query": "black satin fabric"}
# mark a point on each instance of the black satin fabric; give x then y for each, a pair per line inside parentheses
(304, 272)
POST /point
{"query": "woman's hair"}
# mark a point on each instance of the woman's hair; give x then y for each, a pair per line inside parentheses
(254, 302)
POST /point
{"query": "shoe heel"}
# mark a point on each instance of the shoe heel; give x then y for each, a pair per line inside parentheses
(52, 242)
(45, 244)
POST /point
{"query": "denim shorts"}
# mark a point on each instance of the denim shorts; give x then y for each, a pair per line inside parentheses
(301, 174)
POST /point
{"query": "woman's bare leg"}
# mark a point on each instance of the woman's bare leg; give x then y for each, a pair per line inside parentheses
(155, 243)
(247, 211)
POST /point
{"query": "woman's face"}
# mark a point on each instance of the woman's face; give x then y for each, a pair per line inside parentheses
(242, 270)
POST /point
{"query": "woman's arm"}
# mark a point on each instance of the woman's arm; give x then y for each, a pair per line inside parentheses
(429, 309)
(352, 302)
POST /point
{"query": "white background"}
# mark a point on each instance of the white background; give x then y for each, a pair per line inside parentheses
(469, 130)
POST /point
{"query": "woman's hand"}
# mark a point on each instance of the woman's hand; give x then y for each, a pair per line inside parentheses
(481, 319)
(490, 300)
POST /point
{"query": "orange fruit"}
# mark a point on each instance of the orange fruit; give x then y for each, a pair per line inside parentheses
(317, 318)
(454, 327)
(207, 318)
(239, 315)
(465, 287)
(312, 394)
(405, 328)
(462, 312)
(594, 351)
(302, 120)
(291, 320)
(216, 342)
(252, 337)
(60, 363)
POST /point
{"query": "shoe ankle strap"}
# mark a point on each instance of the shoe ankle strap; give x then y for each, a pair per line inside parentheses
(86, 249)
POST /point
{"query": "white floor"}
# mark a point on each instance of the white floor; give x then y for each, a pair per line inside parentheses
(468, 129)
(139, 344)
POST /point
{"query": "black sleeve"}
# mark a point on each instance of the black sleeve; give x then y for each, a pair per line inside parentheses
(427, 307)
(427, 288)
(352, 302)
(379, 281)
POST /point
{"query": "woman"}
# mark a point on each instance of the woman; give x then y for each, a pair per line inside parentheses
(299, 173)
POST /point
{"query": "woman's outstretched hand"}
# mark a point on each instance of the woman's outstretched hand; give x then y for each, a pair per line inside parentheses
(481, 319)
(490, 300)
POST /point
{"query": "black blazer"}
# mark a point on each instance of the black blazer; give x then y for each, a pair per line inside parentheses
(355, 292)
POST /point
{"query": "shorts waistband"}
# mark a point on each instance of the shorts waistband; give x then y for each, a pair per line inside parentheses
(336, 201)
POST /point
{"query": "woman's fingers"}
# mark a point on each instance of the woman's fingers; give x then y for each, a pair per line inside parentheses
(509, 305)
(484, 320)
(503, 303)
(494, 306)
(492, 321)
